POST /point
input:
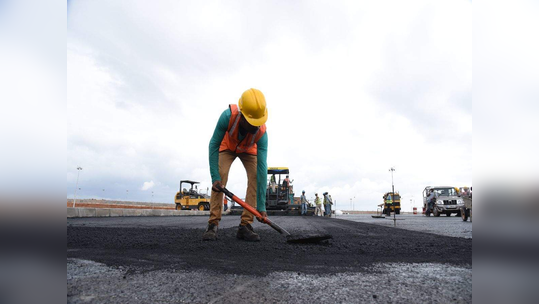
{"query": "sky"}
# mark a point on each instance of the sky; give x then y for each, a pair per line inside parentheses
(32, 93)
(353, 88)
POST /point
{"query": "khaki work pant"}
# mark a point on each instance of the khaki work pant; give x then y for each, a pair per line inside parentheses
(226, 158)
(318, 210)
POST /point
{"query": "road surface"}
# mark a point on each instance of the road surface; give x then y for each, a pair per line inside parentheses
(163, 259)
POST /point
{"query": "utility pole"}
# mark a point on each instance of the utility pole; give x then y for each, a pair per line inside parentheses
(392, 169)
(77, 186)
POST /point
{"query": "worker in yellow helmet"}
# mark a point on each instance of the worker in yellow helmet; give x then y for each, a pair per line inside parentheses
(240, 133)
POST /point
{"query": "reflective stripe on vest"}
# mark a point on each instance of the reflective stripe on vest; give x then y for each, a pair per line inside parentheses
(231, 142)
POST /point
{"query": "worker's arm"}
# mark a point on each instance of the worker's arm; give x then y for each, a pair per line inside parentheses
(261, 172)
(215, 143)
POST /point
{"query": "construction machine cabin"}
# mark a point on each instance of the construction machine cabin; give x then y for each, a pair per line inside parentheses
(279, 195)
(191, 199)
(280, 198)
(392, 203)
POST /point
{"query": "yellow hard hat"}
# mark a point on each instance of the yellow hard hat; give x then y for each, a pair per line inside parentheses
(253, 107)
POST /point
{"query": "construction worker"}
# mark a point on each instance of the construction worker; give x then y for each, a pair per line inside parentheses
(431, 200)
(318, 203)
(304, 203)
(240, 133)
(273, 183)
(286, 183)
(327, 205)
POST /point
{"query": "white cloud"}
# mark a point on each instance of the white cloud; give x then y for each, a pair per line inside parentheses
(147, 186)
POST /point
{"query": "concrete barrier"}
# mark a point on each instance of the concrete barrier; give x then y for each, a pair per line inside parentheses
(102, 212)
(117, 212)
(132, 212)
(86, 212)
(72, 212)
(146, 212)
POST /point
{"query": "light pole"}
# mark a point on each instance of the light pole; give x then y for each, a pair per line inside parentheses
(392, 169)
(77, 186)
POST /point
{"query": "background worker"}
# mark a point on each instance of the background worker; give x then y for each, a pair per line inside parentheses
(240, 133)
(331, 205)
(431, 200)
(286, 183)
(327, 204)
(304, 203)
(318, 203)
(273, 183)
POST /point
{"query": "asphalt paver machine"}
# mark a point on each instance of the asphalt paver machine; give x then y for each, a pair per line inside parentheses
(279, 195)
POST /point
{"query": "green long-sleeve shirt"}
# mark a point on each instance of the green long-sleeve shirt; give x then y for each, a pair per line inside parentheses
(262, 154)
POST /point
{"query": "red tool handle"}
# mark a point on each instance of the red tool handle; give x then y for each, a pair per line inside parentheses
(253, 211)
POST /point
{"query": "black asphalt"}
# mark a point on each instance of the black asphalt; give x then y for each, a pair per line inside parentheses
(353, 246)
(174, 245)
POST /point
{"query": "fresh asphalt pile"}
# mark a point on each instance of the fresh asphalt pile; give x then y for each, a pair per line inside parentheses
(354, 247)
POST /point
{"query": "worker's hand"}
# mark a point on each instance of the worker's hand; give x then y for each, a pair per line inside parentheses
(263, 218)
(217, 185)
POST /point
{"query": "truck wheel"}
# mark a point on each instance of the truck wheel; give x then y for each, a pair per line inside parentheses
(201, 207)
(464, 215)
(435, 212)
(178, 206)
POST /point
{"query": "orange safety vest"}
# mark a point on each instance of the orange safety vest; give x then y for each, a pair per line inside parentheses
(232, 143)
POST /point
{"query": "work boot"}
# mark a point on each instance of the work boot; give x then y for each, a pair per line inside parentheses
(211, 233)
(247, 233)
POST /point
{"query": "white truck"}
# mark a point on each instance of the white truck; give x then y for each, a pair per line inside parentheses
(447, 202)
